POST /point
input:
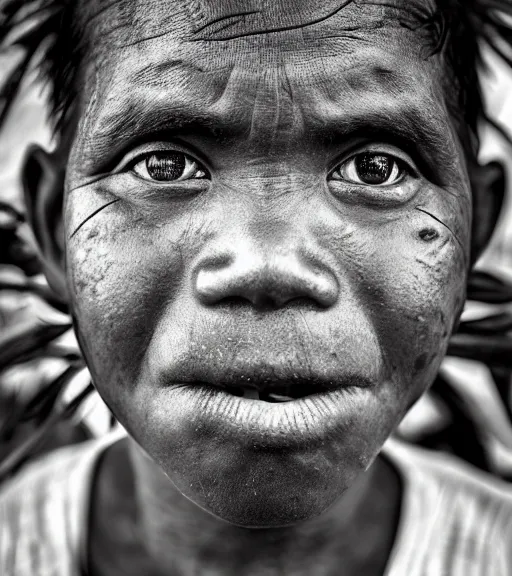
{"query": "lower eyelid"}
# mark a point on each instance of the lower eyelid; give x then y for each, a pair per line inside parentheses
(133, 189)
(374, 188)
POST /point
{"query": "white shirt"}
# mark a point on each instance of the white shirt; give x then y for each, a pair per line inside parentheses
(454, 521)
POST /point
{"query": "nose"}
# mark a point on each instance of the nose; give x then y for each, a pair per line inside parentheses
(265, 278)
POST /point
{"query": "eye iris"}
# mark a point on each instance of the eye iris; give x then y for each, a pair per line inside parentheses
(373, 168)
(168, 166)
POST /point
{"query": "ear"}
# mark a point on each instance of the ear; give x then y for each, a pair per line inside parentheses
(488, 184)
(43, 185)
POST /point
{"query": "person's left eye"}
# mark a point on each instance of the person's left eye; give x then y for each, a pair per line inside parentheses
(370, 169)
(168, 166)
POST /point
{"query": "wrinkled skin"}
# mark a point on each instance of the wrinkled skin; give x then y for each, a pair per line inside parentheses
(268, 267)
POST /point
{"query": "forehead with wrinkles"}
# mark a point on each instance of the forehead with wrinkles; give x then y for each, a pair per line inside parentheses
(226, 58)
(222, 34)
(218, 20)
(211, 24)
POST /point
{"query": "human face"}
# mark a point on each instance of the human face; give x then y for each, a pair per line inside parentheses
(259, 206)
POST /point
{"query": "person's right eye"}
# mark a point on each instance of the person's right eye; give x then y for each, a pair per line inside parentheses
(167, 166)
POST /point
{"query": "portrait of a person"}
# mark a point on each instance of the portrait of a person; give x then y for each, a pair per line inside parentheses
(262, 217)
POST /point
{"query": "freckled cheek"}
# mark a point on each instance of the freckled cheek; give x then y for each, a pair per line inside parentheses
(120, 280)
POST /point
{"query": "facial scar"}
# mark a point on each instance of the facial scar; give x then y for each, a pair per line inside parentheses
(93, 214)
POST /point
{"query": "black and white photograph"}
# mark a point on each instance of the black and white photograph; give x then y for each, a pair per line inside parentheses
(255, 287)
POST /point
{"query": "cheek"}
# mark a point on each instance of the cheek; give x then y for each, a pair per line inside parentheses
(416, 287)
(120, 276)
(407, 268)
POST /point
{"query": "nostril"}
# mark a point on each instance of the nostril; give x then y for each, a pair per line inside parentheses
(233, 302)
(268, 304)
(264, 301)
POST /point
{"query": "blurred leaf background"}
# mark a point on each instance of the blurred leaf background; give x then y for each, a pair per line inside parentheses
(41, 369)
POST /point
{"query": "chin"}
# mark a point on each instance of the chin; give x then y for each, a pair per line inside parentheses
(260, 465)
(275, 491)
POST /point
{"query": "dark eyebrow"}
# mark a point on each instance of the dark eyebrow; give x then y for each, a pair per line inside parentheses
(384, 108)
(404, 126)
(417, 123)
(133, 121)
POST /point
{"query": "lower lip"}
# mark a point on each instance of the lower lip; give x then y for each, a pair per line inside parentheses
(297, 423)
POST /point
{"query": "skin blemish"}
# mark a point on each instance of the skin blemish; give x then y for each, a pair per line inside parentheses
(420, 362)
(446, 226)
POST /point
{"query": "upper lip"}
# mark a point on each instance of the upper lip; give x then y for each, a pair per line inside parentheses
(269, 359)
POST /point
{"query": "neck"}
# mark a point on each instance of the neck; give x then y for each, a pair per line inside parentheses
(353, 537)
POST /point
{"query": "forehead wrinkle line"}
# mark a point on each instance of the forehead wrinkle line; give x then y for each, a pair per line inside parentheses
(262, 31)
(153, 70)
(227, 17)
(148, 38)
(411, 7)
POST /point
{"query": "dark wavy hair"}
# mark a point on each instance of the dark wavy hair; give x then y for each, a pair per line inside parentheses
(51, 41)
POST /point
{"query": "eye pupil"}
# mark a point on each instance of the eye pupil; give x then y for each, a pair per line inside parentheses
(165, 167)
(373, 168)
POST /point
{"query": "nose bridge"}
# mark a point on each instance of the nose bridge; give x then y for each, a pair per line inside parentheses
(265, 266)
